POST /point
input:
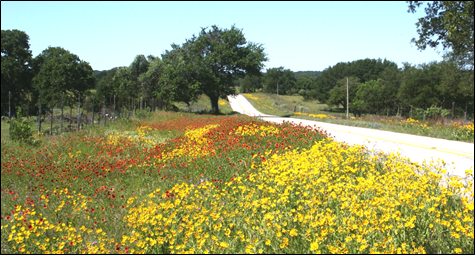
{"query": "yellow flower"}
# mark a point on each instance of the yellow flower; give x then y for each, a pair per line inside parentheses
(313, 246)
(267, 242)
(223, 245)
(293, 232)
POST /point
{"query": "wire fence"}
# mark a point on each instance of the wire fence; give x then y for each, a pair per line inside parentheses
(72, 114)
(457, 113)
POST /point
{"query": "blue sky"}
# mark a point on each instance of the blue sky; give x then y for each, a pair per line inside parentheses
(299, 36)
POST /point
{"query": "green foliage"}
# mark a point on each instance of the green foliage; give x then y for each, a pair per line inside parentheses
(364, 69)
(313, 74)
(284, 77)
(434, 111)
(104, 85)
(143, 113)
(449, 23)
(371, 94)
(337, 95)
(16, 60)
(251, 83)
(219, 57)
(177, 82)
(58, 69)
(20, 129)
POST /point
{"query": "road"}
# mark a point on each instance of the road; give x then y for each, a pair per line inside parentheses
(458, 156)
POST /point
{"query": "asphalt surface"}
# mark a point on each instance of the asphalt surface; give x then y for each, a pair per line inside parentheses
(458, 156)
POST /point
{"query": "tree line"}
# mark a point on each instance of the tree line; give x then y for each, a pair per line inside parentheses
(375, 85)
(218, 60)
(205, 64)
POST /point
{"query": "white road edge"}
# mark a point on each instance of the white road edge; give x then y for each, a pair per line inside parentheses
(458, 156)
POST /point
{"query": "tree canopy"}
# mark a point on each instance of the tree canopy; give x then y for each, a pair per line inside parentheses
(58, 68)
(284, 77)
(449, 23)
(16, 59)
(220, 56)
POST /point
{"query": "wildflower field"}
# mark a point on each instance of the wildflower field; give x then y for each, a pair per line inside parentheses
(187, 183)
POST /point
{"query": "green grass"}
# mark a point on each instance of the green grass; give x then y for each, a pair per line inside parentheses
(203, 105)
(284, 105)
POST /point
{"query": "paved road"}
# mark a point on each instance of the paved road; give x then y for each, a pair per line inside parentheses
(458, 156)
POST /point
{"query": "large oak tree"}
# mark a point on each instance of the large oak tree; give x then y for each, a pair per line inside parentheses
(220, 56)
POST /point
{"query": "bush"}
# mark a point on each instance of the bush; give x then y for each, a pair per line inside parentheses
(20, 129)
(143, 113)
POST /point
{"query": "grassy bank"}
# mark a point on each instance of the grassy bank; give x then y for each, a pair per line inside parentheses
(438, 128)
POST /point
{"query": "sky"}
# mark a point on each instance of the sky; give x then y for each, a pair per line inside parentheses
(300, 36)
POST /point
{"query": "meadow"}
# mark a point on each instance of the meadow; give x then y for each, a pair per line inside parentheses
(437, 127)
(177, 182)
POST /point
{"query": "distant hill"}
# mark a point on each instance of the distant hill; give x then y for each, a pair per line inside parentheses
(310, 73)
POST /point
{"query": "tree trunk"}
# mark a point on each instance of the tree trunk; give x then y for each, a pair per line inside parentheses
(214, 104)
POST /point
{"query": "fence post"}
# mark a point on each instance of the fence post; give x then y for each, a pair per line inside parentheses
(28, 106)
(87, 106)
(411, 111)
(128, 109)
(39, 114)
(141, 103)
(9, 115)
(9, 106)
(79, 111)
(118, 103)
(52, 106)
(104, 111)
(62, 104)
(134, 106)
(70, 112)
(453, 110)
(424, 118)
(92, 117)
(113, 118)
(465, 114)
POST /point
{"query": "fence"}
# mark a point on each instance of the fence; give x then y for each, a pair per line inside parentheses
(74, 114)
(455, 113)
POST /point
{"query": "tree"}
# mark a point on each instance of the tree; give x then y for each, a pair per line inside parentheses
(251, 83)
(337, 95)
(178, 80)
(60, 69)
(284, 77)
(364, 69)
(419, 85)
(16, 74)
(371, 95)
(220, 56)
(449, 23)
(390, 80)
(104, 85)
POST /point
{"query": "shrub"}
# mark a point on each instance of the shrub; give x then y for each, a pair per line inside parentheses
(20, 128)
(143, 113)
